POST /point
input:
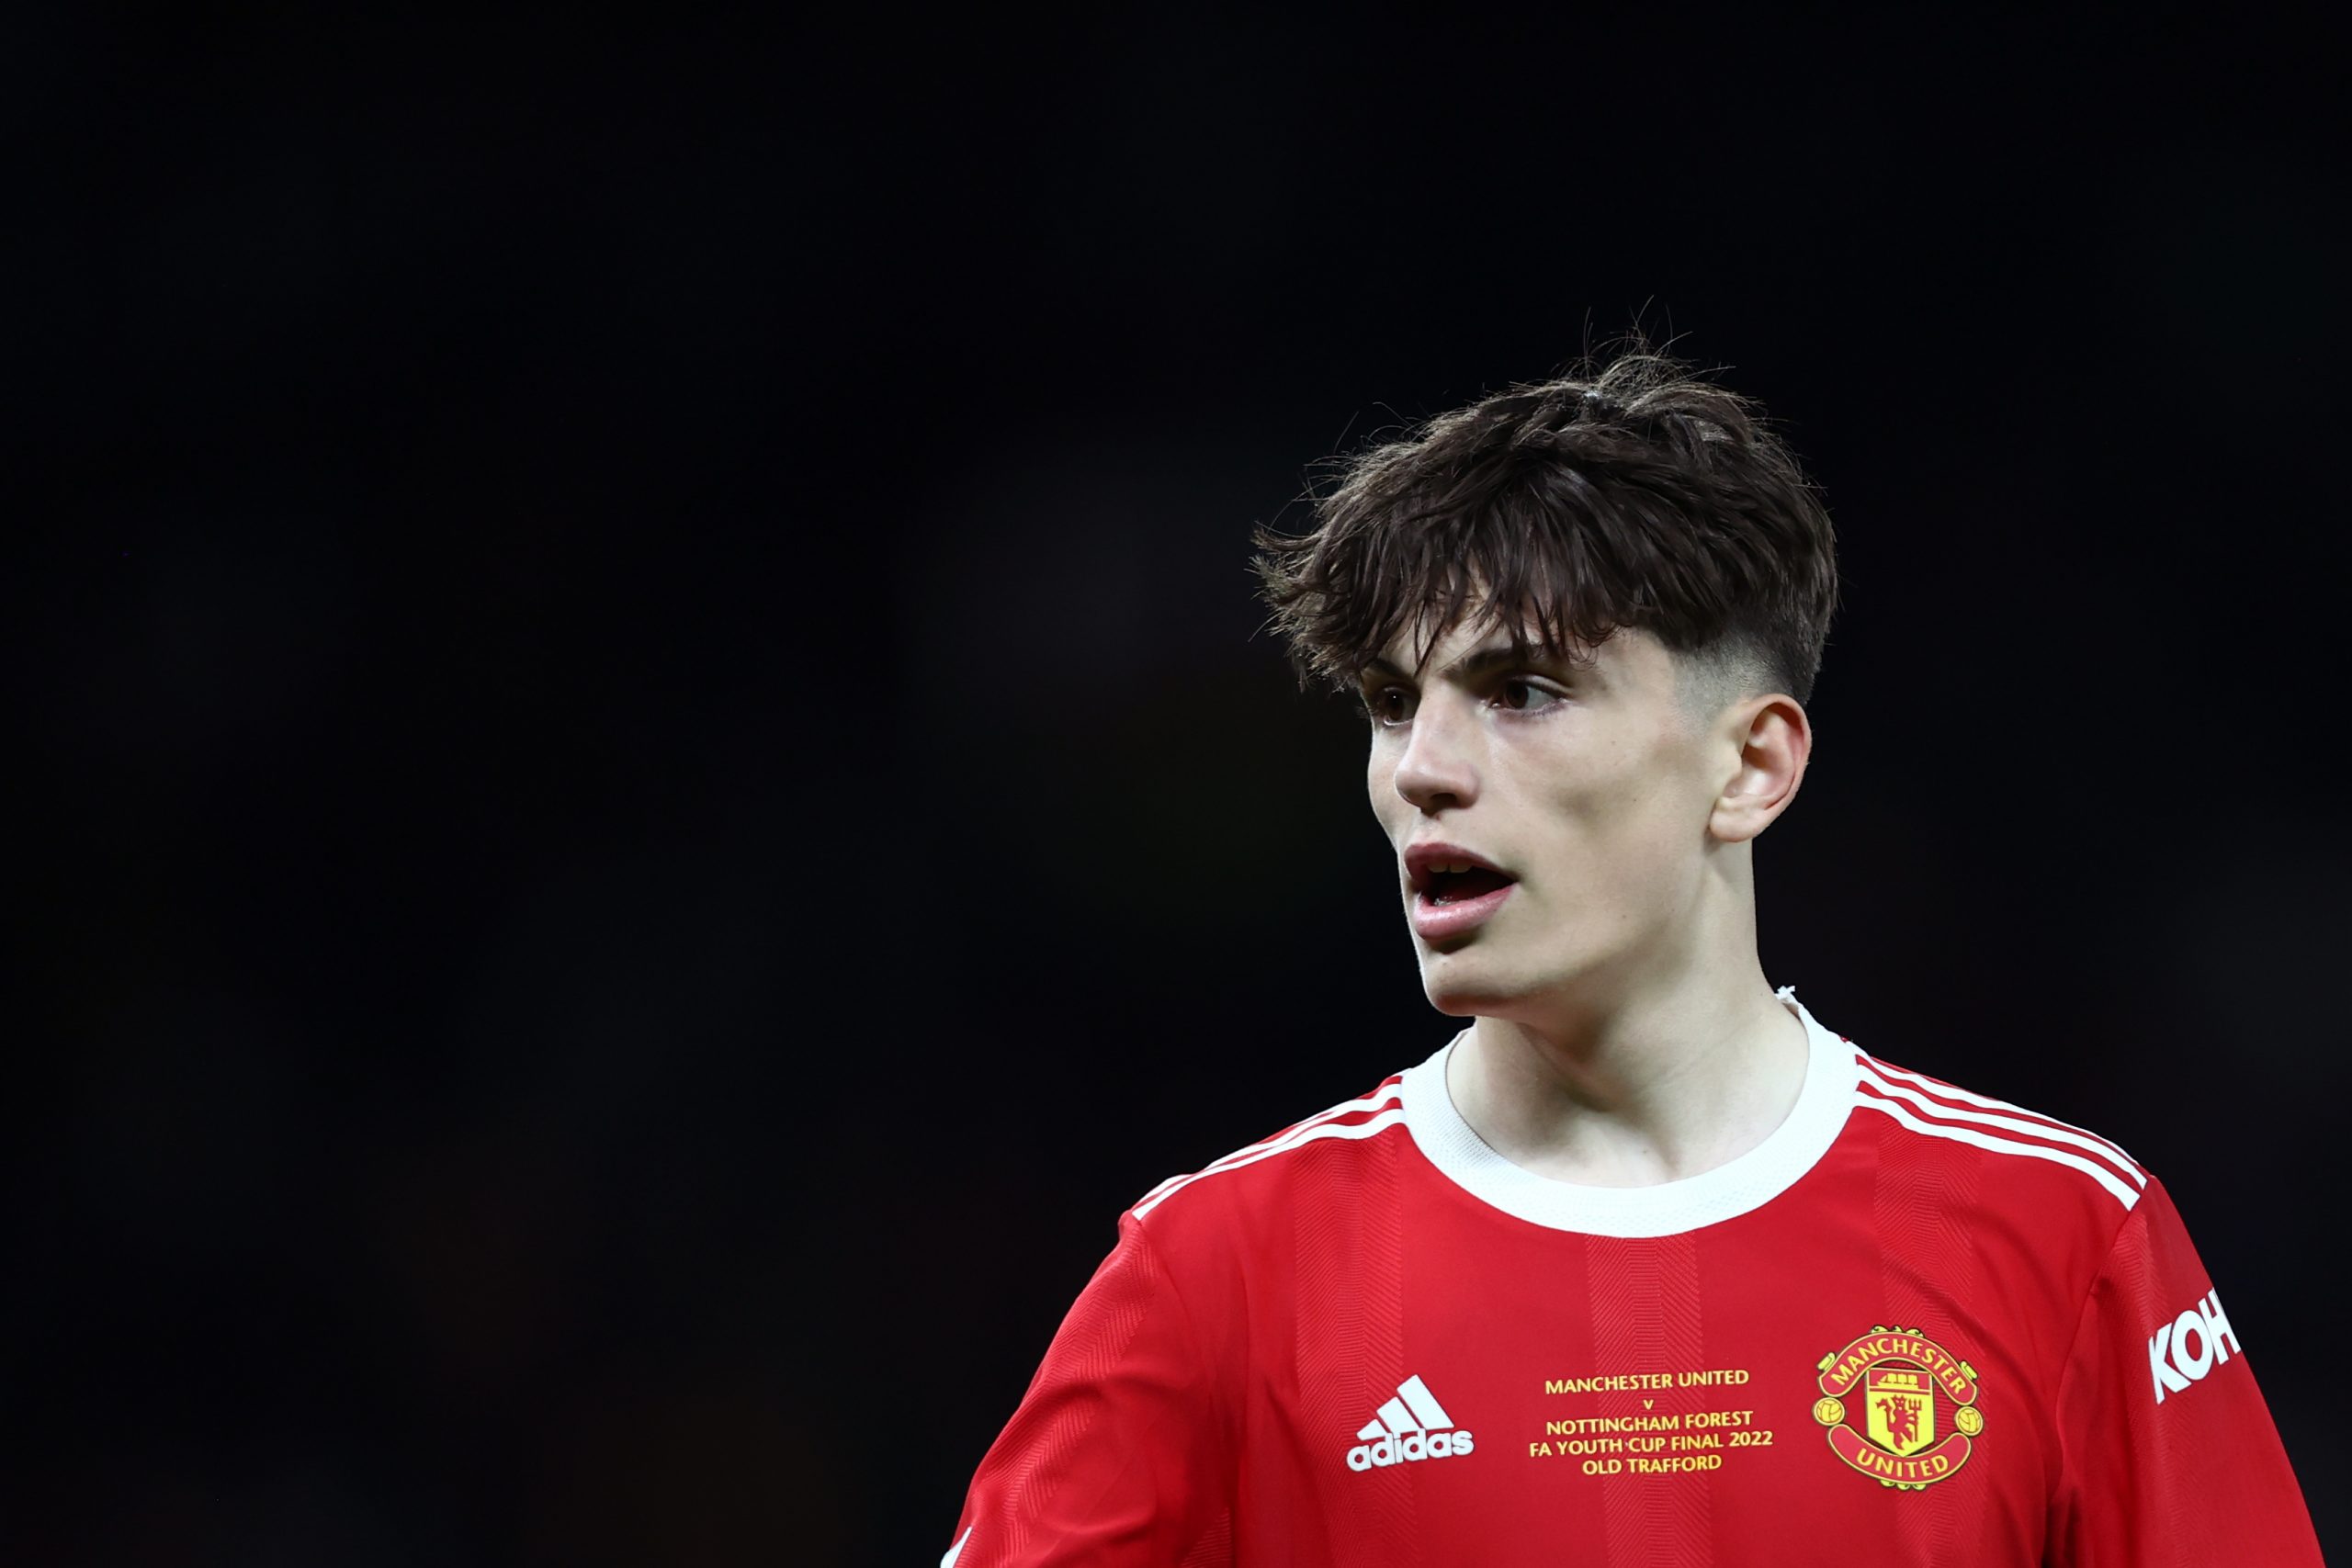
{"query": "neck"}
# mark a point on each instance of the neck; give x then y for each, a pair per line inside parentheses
(1664, 1084)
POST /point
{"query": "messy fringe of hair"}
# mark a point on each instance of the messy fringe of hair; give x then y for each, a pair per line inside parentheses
(1630, 493)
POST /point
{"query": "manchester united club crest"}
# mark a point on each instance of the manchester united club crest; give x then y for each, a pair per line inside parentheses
(1899, 1407)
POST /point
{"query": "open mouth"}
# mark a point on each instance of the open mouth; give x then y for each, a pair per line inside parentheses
(1455, 886)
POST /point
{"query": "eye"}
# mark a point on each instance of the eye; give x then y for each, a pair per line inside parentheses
(1521, 694)
(1388, 704)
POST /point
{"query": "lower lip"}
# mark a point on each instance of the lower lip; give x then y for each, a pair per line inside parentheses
(1435, 923)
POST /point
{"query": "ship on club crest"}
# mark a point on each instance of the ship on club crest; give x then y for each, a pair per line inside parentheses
(1917, 1415)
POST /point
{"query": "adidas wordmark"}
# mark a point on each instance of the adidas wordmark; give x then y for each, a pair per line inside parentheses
(1413, 1425)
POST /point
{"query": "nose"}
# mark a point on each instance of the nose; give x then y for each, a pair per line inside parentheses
(1440, 764)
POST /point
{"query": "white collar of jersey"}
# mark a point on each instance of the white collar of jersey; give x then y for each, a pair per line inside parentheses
(1752, 1181)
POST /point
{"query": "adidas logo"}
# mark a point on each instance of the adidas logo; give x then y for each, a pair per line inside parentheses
(1411, 1426)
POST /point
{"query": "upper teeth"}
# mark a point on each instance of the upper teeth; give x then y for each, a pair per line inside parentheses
(1453, 866)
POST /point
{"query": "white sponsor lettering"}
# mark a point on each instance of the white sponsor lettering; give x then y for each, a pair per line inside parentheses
(2160, 1366)
(1413, 1425)
(2183, 1326)
(1392, 1450)
(2172, 1367)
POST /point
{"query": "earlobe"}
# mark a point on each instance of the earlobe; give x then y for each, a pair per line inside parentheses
(1773, 743)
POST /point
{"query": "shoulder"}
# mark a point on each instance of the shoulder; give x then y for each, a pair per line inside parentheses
(1326, 1153)
(2021, 1159)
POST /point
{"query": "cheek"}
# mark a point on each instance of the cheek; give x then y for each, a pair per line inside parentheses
(1380, 792)
(1623, 817)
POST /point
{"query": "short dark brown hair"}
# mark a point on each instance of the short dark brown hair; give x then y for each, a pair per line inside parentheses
(1634, 494)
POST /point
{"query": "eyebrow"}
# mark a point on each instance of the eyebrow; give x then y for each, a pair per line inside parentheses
(1471, 665)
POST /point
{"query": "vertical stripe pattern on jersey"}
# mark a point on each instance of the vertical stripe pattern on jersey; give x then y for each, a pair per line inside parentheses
(1918, 1211)
(1349, 1355)
(1644, 1298)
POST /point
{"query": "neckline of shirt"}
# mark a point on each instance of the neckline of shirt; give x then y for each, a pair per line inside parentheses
(1754, 1179)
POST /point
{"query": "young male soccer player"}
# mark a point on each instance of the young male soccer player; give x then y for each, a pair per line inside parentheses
(1645, 1266)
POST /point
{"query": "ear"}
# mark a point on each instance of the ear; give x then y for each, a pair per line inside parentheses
(1772, 739)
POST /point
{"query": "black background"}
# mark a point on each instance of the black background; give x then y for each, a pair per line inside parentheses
(649, 796)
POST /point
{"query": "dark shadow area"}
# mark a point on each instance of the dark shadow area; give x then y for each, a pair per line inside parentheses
(649, 795)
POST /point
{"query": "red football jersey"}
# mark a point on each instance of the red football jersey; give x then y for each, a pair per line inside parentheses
(1913, 1325)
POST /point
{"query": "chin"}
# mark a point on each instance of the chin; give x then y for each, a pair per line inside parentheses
(1456, 988)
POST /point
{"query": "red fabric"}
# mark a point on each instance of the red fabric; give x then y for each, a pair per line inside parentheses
(2199, 1478)
(1200, 1403)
